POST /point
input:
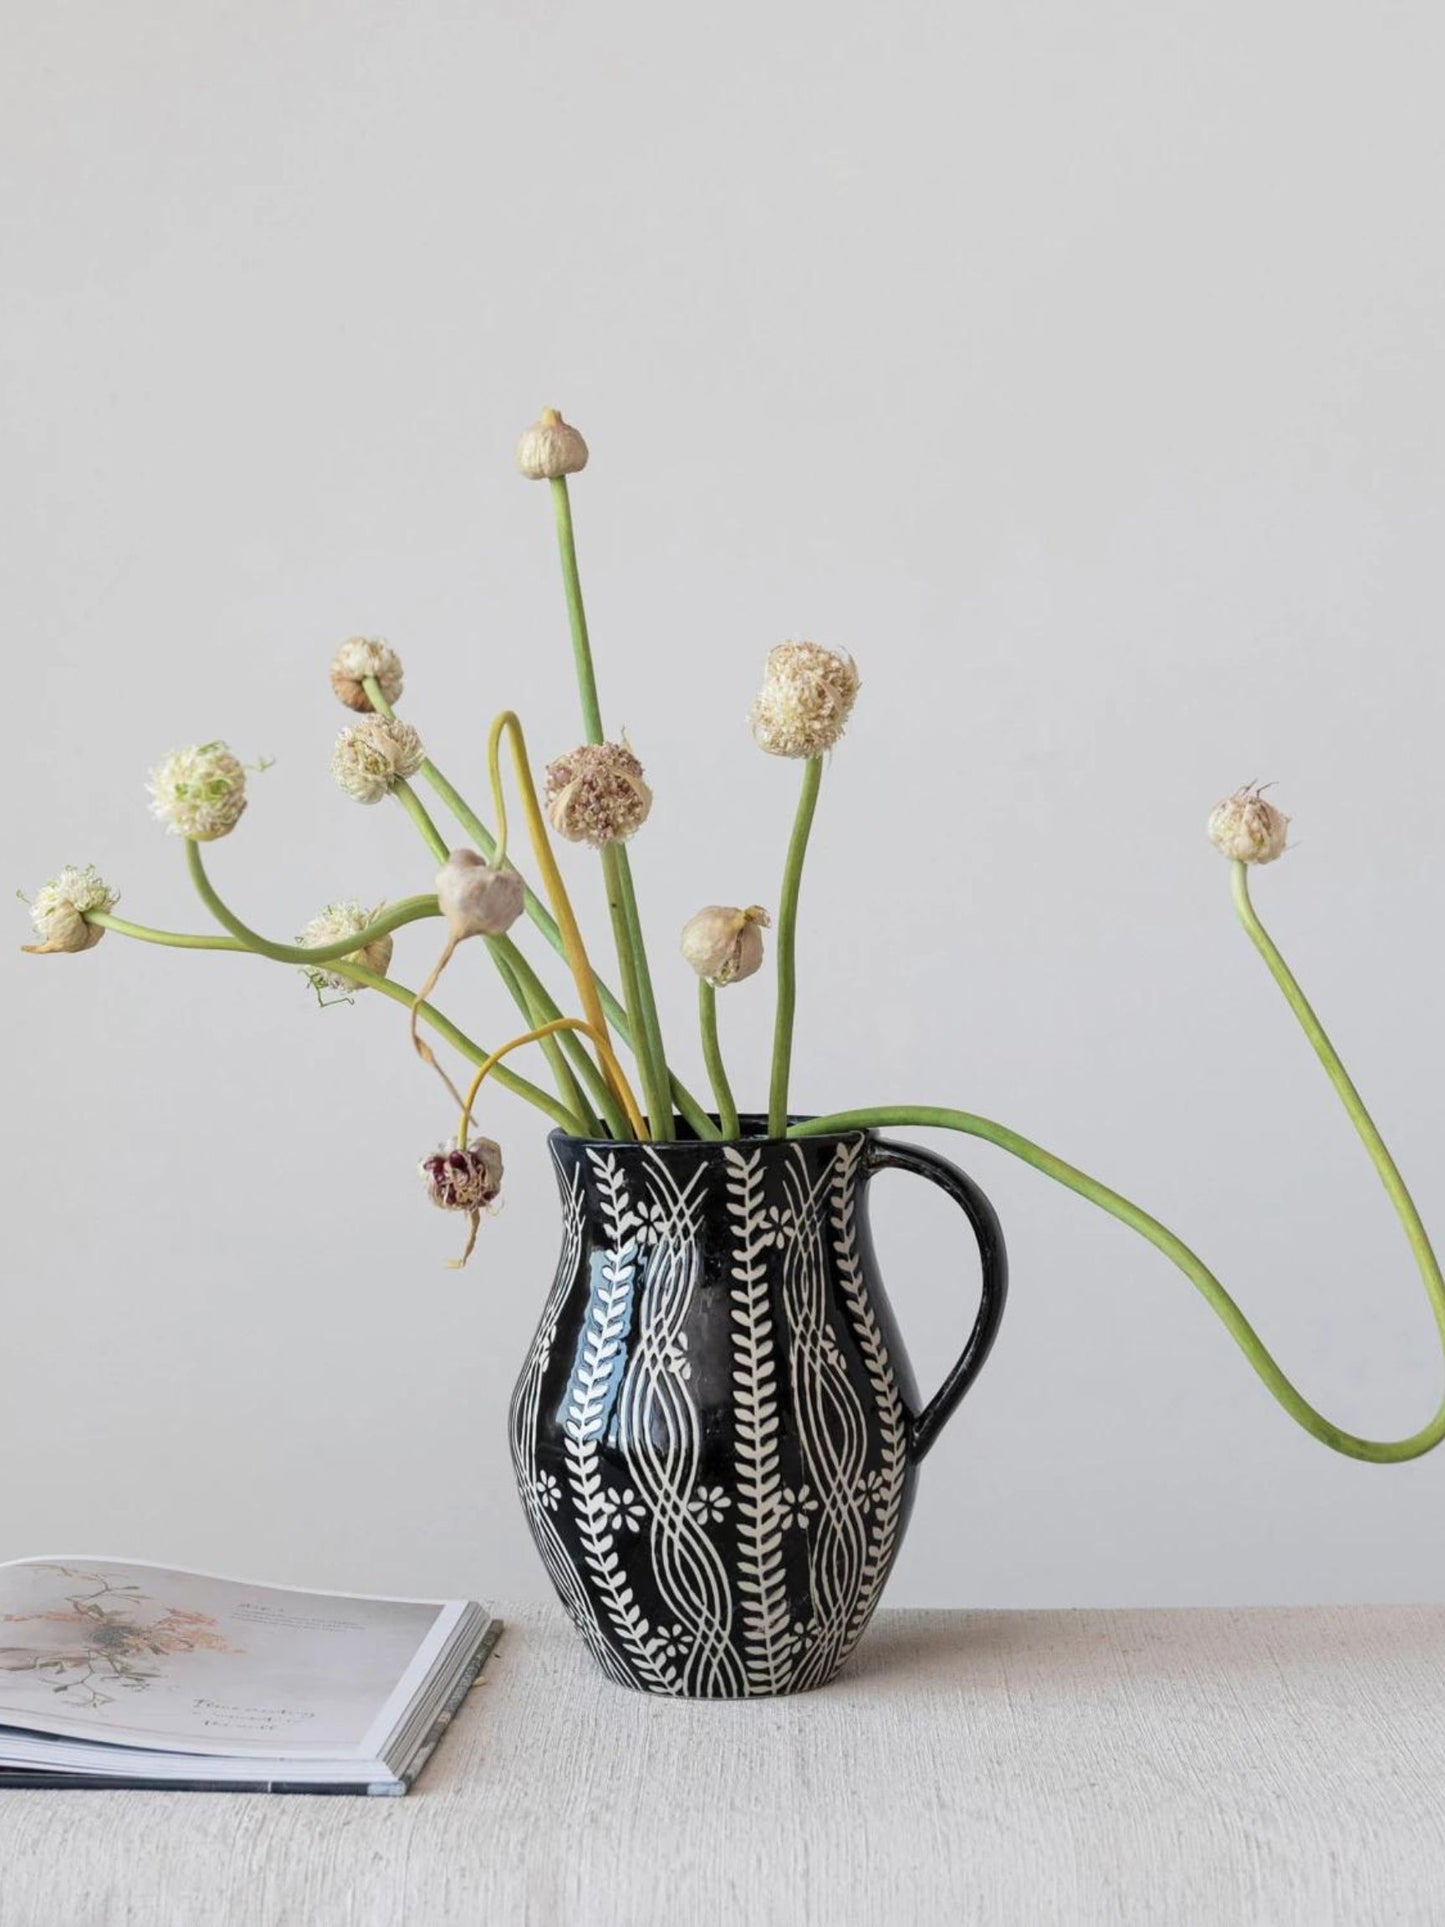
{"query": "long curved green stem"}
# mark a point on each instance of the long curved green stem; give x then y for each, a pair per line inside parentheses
(1372, 1451)
(631, 958)
(547, 1010)
(172, 939)
(787, 965)
(576, 612)
(417, 811)
(647, 1045)
(543, 919)
(722, 1091)
(568, 1089)
(357, 974)
(504, 959)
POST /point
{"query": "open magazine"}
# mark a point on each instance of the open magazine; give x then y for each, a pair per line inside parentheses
(114, 1673)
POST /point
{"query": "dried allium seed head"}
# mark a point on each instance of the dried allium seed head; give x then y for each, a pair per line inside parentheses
(596, 794)
(805, 701)
(466, 1180)
(60, 908)
(371, 755)
(358, 658)
(549, 448)
(335, 923)
(725, 945)
(1247, 828)
(475, 899)
(200, 792)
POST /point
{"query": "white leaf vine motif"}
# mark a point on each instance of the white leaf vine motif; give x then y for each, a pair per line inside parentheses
(762, 1578)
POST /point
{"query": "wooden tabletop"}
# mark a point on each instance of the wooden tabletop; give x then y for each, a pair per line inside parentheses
(1044, 1768)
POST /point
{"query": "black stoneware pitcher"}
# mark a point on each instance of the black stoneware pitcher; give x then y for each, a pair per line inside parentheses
(716, 1434)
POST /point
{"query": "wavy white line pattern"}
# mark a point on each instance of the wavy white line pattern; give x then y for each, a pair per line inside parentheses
(583, 1425)
(885, 1492)
(832, 1432)
(727, 1420)
(660, 1435)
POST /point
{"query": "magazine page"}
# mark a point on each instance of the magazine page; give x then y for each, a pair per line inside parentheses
(139, 1655)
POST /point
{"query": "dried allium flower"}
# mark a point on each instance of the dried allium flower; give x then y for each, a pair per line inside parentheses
(475, 899)
(725, 945)
(468, 1180)
(549, 448)
(336, 921)
(60, 907)
(371, 755)
(596, 794)
(1247, 828)
(805, 701)
(200, 792)
(358, 658)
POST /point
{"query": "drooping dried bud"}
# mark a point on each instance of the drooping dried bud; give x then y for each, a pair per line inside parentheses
(805, 701)
(475, 899)
(549, 448)
(596, 794)
(725, 945)
(371, 755)
(468, 1180)
(60, 907)
(1247, 828)
(358, 658)
(335, 922)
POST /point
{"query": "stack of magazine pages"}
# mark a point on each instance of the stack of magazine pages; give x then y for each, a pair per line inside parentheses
(114, 1674)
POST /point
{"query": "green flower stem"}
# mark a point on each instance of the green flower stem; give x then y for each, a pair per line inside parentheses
(172, 939)
(541, 916)
(416, 810)
(646, 1033)
(357, 974)
(712, 1056)
(504, 960)
(548, 1011)
(408, 910)
(576, 613)
(647, 1045)
(787, 947)
(568, 1089)
(1373, 1451)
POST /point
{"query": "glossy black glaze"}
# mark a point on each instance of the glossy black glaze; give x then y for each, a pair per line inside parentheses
(716, 1433)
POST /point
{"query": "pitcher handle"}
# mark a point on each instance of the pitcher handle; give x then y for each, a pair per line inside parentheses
(885, 1156)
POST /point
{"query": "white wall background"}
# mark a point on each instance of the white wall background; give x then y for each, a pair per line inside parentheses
(1076, 367)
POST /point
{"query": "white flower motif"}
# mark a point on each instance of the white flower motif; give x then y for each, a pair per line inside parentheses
(677, 1360)
(708, 1504)
(623, 1508)
(668, 1642)
(547, 1490)
(782, 1226)
(795, 1509)
(803, 1636)
(649, 1222)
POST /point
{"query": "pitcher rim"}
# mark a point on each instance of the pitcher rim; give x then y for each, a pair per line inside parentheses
(685, 1141)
